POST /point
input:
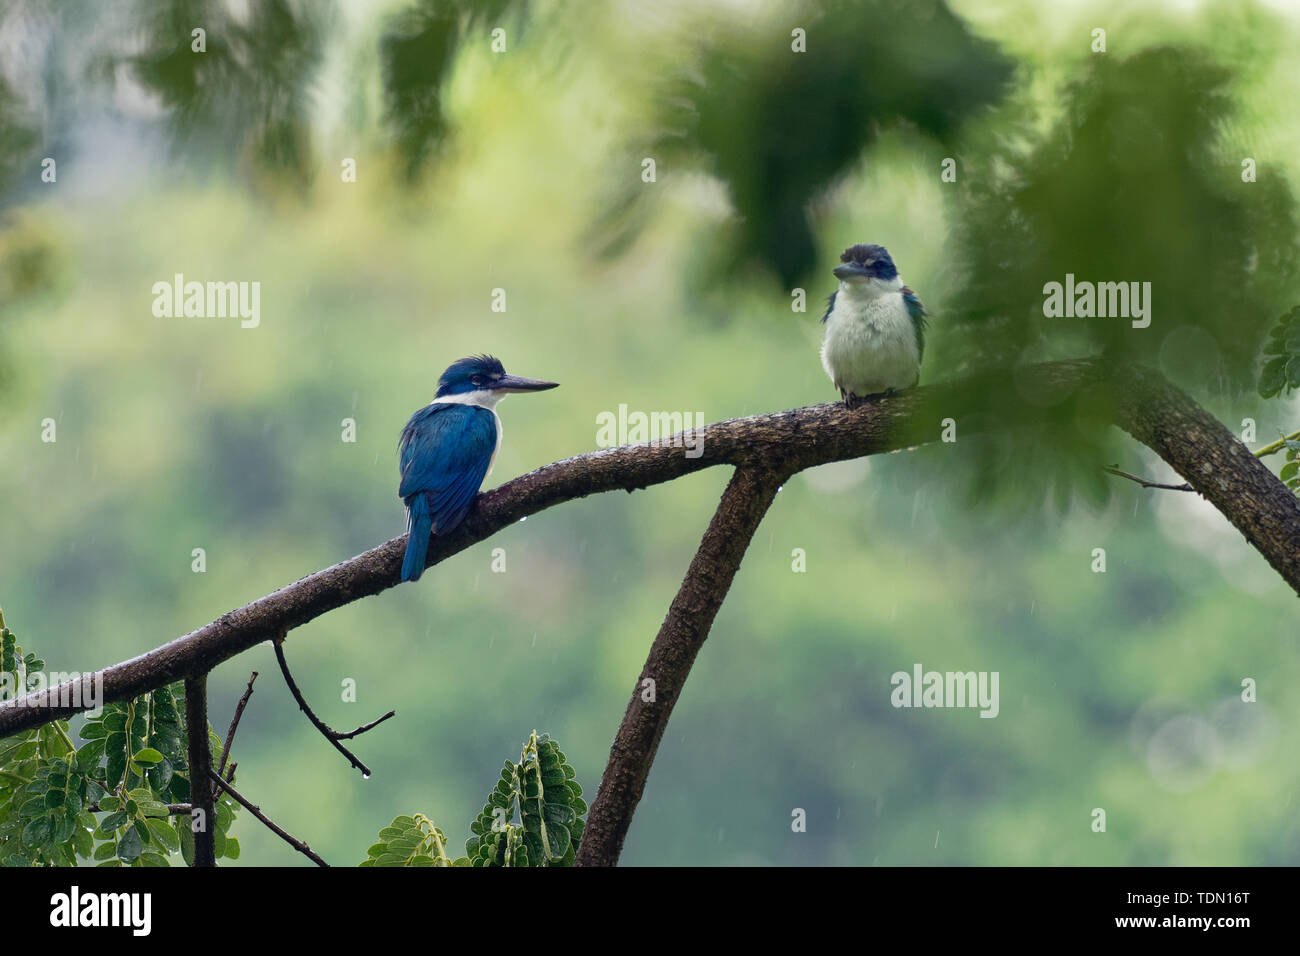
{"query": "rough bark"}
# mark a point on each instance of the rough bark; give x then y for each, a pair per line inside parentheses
(202, 805)
(682, 634)
(1215, 463)
(1142, 402)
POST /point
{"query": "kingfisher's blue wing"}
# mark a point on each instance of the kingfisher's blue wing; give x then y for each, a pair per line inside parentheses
(830, 304)
(917, 311)
(445, 453)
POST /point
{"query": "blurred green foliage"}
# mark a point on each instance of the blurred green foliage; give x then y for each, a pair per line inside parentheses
(247, 94)
(1120, 690)
(1134, 183)
(779, 127)
(417, 51)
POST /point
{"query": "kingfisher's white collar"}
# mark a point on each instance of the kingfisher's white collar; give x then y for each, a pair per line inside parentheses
(483, 397)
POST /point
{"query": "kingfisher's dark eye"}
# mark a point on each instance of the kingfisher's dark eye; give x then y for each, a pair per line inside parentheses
(476, 379)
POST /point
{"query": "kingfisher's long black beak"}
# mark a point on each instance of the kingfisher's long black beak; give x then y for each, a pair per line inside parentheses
(850, 270)
(517, 383)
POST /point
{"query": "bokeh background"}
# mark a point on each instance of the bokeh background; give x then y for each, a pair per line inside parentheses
(522, 170)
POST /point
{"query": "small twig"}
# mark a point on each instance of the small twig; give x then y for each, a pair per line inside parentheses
(1112, 470)
(333, 736)
(175, 809)
(243, 801)
(364, 727)
(1277, 445)
(234, 724)
(200, 760)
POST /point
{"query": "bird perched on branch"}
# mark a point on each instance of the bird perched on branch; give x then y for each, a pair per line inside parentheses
(448, 448)
(875, 327)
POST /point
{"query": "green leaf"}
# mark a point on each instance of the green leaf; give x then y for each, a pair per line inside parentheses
(161, 774)
(148, 756)
(1273, 377)
(115, 720)
(64, 829)
(89, 755)
(94, 730)
(163, 834)
(130, 846)
(37, 832)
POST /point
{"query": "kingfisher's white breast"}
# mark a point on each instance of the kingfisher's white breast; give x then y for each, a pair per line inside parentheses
(870, 343)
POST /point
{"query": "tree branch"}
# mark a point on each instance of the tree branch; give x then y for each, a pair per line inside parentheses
(682, 634)
(333, 736)
(252, 808)
(1113, 470)
(234, 725)
(200, 768)
(1213, 461)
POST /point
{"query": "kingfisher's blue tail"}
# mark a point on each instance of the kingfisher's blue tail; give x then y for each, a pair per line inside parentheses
(417, 540)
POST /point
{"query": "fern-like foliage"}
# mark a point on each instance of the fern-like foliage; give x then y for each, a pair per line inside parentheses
(532, 817)
(107, 800)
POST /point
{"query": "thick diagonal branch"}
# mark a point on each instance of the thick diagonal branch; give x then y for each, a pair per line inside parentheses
(1215, 463)
(1212, 460)
(682, 634)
